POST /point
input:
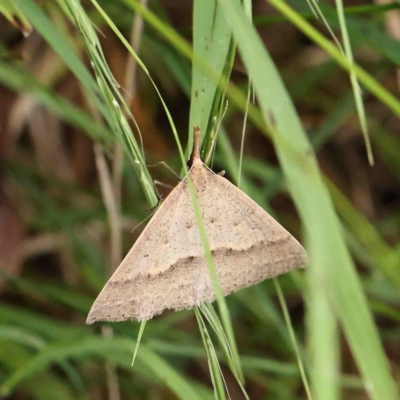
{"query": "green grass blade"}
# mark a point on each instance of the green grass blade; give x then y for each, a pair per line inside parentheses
(211, 39)
(323, 342)
(138, 340)
(353, 79)
(326, 246)
(293, 338)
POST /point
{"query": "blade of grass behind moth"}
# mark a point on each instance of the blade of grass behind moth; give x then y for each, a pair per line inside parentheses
(217, 377)
(178, 42)
(322, 338)
(228, 154)
(326, 246)
(293, 338)
(211, 40)
(219, 107)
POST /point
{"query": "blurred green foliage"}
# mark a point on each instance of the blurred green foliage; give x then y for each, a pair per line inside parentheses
(340, 318)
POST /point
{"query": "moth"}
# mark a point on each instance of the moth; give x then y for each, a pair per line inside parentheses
(166, 267)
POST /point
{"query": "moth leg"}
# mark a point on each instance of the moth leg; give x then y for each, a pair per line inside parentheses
(158, 183)
(163, 184)
(164, 164)
(221, 173)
